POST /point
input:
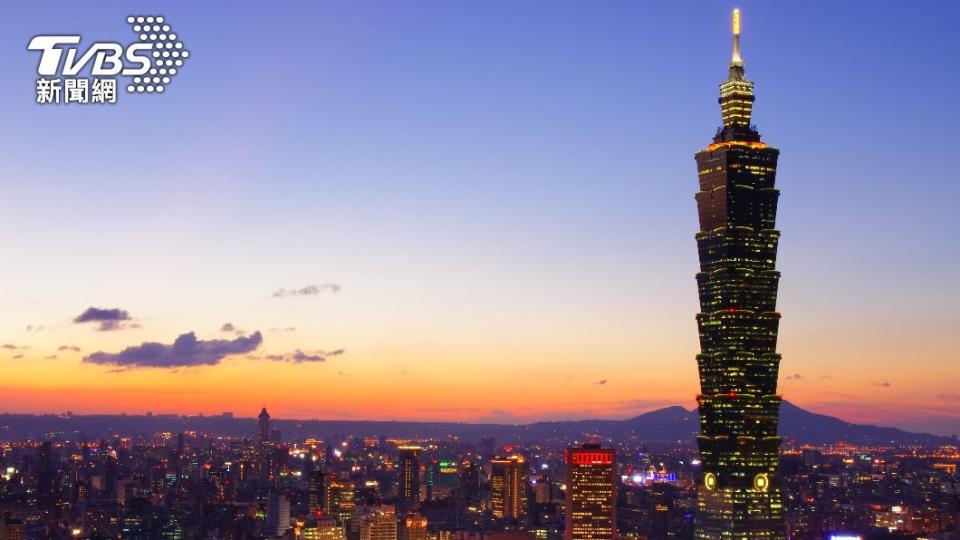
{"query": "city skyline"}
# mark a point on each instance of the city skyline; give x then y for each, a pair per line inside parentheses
(502, 226)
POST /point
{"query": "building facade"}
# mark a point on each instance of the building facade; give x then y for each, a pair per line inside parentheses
(323, 529)
(379, 523)
(591, 500)
(409, 477)
(339, 496)
(415, 527)
(316, 491)
(739, 492)
(508, 487)
(263, 426)
(278, 516)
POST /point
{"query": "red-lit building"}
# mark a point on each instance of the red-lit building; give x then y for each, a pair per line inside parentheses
(591, 499)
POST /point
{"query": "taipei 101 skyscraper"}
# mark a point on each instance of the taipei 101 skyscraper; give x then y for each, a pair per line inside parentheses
(739, 490)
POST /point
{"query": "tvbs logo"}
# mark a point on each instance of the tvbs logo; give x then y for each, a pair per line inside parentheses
(148, 64)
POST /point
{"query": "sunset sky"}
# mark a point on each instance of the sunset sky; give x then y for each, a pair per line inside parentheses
(493, 200)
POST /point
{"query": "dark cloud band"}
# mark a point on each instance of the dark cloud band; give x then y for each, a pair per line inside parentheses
(186, 351)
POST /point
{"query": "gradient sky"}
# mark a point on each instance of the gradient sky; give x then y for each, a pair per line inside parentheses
(503, 191)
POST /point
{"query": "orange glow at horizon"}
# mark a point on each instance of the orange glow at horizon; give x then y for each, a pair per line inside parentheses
(530, 382)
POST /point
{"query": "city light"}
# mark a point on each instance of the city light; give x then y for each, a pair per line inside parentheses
(424, 271)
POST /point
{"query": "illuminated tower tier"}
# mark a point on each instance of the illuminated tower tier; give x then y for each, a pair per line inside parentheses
(739, 491)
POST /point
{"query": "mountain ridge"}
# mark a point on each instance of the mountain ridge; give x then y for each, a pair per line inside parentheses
(667, 424)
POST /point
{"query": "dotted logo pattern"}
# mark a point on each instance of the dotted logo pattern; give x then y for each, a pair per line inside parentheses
(167, 56)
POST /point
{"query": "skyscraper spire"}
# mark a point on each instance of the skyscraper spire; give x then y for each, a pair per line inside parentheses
(736, 97)
(736, 38)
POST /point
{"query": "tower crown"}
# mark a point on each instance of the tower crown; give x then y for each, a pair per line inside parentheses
(736, 96)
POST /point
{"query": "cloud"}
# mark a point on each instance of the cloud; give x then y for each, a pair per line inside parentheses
(229, 328)
(299, 356)
(884, 384)
(309, 290)
(17, 356)
(601, 382)
(35, 327)
(73, 348)
(13, 347)
(102, 314)
(287, 329)
(51, 357)
(186, 351)
(794, 377)
(109, 318)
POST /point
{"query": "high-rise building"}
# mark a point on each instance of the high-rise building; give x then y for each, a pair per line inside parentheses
(415, 527)
(278, 515)
(542, 490)
(10, 529)
(442, 479)
(468, 485)
(339, 496)
(172, 529)
(315, 491)
(508, 487)
(323, 529)
(368, 492)
(100, 517)
(591, 501)
(409, 477)
(738, 493)
(47, 477)
(263, 426)
(379, 523)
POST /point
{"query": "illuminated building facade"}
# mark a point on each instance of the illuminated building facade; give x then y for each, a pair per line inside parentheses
(415, 527)
(739, 492)
(591, 501)
(409, 477)
(508, 487)
(323, 529)
(442, 479)
(315, 491)
(10, 529)
(379, 523)
(339, 497)
(468, 485)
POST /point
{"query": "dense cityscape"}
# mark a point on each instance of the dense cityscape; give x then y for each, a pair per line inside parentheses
(364, 486)
(740, 475)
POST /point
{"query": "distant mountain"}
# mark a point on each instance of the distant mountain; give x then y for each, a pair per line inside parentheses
(663, 425)
(811, 428)
(678, 424)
